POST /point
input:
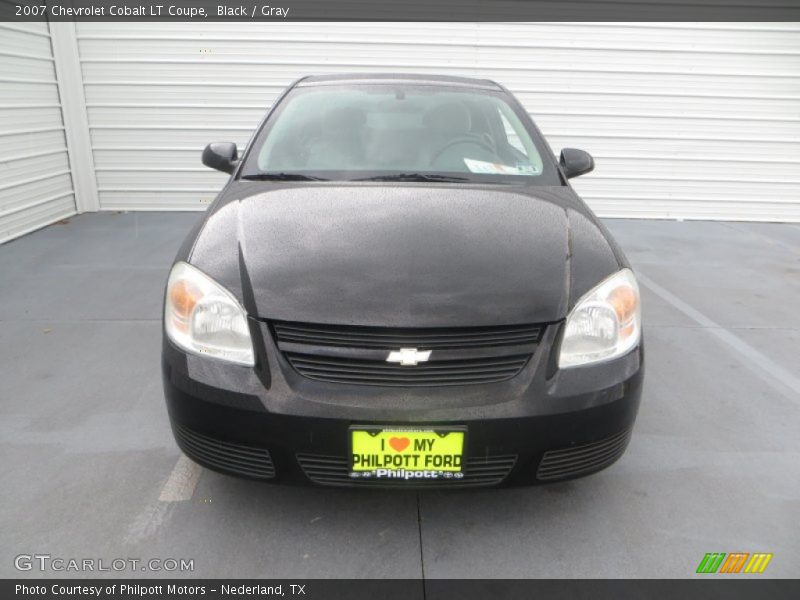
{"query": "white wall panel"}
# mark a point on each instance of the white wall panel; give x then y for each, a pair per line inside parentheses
(684, 120)
(35, 180)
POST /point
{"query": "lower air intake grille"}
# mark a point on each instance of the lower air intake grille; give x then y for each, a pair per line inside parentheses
(478, 471)
(371, 372)
(246, 461)
(581, 460)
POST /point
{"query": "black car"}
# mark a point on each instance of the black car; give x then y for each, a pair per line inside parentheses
(398, 287)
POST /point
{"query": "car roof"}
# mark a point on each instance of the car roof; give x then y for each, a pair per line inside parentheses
(395, 78)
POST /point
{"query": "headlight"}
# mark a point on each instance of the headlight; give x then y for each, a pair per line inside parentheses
(604, 324)
(202, 317)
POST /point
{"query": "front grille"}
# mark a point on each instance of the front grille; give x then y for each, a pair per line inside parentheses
(478, 472)
(237, 459)
(581, 460)
(389, 338)
(441, 373)
(358, 355)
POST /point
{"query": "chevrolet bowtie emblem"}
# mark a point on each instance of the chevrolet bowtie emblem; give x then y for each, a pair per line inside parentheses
(408, 357)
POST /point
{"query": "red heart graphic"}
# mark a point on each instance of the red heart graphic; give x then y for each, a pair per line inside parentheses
(399, 444)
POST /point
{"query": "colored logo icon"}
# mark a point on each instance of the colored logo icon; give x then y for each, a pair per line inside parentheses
(735, 562)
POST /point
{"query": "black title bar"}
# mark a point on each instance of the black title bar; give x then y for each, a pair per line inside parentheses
(715, 588)
(400, 10)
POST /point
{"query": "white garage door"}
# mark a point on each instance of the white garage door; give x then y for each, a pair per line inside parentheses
(35, 179)
(685, 120)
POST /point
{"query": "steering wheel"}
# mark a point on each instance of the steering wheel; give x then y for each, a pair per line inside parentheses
(458, 141)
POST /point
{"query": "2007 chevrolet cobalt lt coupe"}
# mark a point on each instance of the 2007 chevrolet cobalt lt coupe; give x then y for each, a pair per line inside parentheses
(398, 287)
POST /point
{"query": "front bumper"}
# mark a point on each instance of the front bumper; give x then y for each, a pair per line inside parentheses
(271, 423)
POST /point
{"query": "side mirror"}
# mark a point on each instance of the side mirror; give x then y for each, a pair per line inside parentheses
(221, 156)
(575, 162)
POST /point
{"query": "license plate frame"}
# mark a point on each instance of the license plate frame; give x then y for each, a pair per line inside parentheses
(409, 470)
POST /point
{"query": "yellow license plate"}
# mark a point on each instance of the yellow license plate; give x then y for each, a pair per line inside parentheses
(406, 452)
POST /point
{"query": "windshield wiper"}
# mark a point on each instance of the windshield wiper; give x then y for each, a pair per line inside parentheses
(414, 177)
(282, 177)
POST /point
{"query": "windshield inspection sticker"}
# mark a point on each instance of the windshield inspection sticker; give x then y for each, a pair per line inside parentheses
(480, 166)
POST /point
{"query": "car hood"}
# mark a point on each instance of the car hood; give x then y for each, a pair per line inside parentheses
(393, 255)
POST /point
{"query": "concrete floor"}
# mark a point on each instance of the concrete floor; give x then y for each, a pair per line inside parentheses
(714, 464)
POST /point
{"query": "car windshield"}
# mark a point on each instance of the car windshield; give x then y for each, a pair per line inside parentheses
(403, 133)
